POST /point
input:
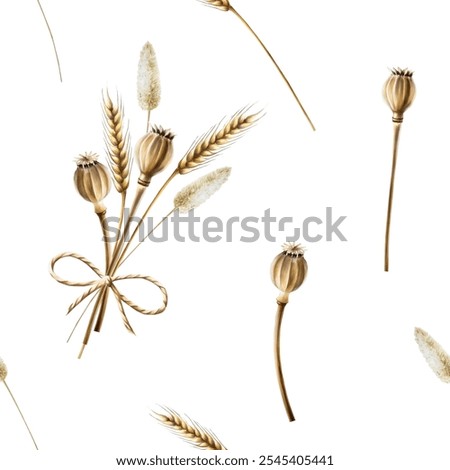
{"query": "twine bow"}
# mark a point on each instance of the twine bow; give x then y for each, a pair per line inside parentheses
(107, 282)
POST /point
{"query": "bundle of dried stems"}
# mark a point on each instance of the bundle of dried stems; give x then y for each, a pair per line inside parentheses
(153, 154)
(189, 430)
(225, 5)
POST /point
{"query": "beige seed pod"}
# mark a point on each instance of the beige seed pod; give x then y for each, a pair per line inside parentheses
(289, 270)
(92, 180)
(3, 370)
(153, 153)
(399, 92)
(223, 5)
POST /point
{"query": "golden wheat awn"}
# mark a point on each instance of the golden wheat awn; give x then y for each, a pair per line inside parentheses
(52, 38)
(216, 140)
(434, 354)
(225, 5)
(117, 141)
(189, 430)
(3, 375)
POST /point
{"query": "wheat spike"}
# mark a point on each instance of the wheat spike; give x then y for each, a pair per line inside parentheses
(223, 5)
(434, 354)
(189, 430)
(117, 142)
(216, 140)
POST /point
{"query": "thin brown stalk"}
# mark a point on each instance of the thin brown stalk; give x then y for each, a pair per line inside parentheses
(82, 315)
(233, 10)
(279, 370)
(122, 260)
(52, 38)
(216, 140)
(21, 414)
(189, 430)
(391, 194)
(94, 315)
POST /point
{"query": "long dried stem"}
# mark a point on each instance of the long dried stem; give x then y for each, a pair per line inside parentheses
(232, 9)
(52, 38)
(397, 126)
(122, 259)
(279, 319)
(118, 257)
(21, 414)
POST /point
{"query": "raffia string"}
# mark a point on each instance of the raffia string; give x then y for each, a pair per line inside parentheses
(107, 282)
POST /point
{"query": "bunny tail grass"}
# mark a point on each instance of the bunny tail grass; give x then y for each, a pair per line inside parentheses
(189, 430)
(434, 354)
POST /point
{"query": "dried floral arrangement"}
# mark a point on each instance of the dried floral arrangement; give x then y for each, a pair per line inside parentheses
(288, 271)
(225, 5)
(399, 92)
(189, 430)
(434, 354)
(52, 39)
(153, 154)
(3, 374)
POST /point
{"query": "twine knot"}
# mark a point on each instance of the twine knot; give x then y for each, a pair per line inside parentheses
(107, 282)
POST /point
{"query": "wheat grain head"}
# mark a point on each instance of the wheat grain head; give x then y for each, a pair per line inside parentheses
(217, 139)
(189, 430)
(223, 5)
(434, 354)
(117, 141)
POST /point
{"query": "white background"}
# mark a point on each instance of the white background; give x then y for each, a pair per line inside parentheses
(359, 387)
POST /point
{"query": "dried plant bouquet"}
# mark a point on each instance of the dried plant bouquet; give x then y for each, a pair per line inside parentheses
(189, 430)
(434, 354)
(153, 154)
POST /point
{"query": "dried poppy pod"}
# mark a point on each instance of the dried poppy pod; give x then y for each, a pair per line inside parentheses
(92, 180)
(399, 91)
(288, 272)
(153, 153)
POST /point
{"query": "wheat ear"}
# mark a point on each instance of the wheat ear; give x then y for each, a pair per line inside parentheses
(216, 140)
(189, 430)
(117, 142)
(52, 38)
